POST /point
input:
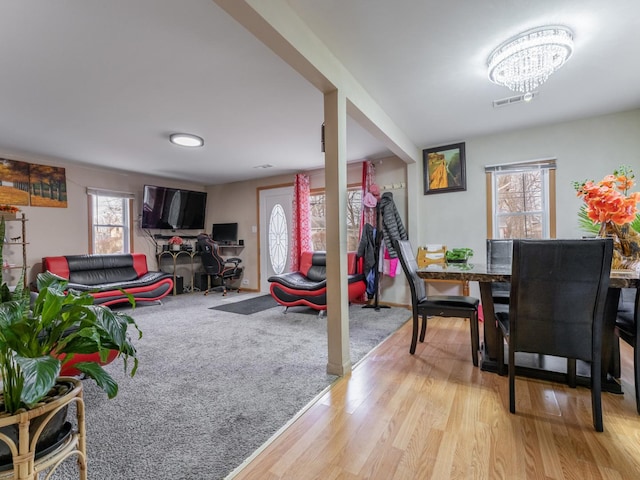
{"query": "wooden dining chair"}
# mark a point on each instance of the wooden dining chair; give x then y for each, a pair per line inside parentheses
(423, 306)
(556, 307)
(628, 329)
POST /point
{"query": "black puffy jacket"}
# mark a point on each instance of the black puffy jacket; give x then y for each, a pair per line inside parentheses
(392, 226)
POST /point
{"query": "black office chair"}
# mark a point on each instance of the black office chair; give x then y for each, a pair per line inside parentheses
(556, 307)
(628, 329)
(499, 255)
(436, 305)
(216, 267)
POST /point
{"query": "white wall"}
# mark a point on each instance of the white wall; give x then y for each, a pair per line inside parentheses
(585, 149)
(238, 202)
(588, 148)
(65, 231)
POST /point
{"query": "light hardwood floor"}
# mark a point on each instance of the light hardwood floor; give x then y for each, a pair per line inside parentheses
(433, 415)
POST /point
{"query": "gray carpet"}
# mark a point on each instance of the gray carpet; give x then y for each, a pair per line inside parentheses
(212, 386)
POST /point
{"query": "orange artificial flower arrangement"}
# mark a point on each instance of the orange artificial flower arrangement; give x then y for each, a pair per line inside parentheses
(609, 200)
(610, 204)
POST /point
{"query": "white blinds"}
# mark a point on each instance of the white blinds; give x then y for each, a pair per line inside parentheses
(544, 164)
(101, 192)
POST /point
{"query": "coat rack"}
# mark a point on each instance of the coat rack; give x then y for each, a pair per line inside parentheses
(376, 273)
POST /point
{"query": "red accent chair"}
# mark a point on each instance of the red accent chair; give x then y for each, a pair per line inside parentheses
(308, 286)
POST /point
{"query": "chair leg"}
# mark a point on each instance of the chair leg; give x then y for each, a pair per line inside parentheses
(571, 372)
(500, 353)
(414, 335)
(512, 379)
(596, 394)
(423, 330)
(475, 338)
(636, 371)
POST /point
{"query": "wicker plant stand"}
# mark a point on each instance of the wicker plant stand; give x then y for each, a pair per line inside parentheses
(25, 465)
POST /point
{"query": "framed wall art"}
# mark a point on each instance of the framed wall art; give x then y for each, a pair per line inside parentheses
(14, 182)
(444, 169)
(48, 186)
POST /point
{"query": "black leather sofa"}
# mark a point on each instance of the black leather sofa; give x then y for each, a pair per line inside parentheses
(104, 275)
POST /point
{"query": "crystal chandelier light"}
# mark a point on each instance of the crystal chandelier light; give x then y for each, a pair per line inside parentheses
(524, 62)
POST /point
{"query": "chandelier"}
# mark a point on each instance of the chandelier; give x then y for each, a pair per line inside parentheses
(524, 62)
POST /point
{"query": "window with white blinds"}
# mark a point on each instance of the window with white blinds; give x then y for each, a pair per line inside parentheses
(521, 199)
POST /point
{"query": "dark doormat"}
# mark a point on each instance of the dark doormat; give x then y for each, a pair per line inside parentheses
(247, 307)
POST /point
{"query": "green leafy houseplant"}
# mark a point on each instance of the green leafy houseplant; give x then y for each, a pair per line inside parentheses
(37, 337)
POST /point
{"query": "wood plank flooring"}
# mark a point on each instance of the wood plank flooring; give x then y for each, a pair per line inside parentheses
(433, 415)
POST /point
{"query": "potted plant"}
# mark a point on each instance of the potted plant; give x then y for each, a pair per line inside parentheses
(40, 333)
(175, 242)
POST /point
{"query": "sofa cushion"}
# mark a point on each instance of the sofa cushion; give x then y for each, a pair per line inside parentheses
(101, 269)
(147, 279)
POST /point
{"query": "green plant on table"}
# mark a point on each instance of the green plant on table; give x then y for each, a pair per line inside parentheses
(458, 254)
(37, 338)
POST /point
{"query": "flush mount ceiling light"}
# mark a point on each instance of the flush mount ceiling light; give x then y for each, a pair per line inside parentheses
(524, 62)
(186, 140)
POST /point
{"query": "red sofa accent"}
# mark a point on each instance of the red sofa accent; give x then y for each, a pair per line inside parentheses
(104, 275)
(308, 286)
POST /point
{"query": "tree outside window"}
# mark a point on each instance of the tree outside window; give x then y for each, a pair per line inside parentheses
(111, 230)
(318, 219)
(522, 201)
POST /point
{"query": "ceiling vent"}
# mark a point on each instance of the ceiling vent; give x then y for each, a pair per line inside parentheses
(525, 97)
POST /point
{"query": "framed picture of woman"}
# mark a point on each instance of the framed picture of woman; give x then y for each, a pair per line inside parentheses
(444, 169)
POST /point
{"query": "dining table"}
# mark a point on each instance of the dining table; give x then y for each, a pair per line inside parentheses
(534, 365)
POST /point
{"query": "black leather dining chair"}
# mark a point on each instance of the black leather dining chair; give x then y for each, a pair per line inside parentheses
(556, 307)
(499, 253)
(424, 306)
(628, 329)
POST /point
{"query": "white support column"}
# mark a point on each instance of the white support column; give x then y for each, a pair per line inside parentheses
(335, 136)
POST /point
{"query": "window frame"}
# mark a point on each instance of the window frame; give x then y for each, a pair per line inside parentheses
(93, 196)
(322, 191)
(548, 167)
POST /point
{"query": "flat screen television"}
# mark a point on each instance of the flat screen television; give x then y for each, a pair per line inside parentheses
(225, 233)
(173, 208)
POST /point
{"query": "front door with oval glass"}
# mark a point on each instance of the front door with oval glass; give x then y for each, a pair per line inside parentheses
(275, 232)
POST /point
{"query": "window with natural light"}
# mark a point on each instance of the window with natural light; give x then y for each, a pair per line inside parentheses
(110, 222)
(318, 221)
(522, 200)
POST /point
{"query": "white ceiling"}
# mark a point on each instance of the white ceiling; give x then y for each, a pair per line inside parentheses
(105, 82)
